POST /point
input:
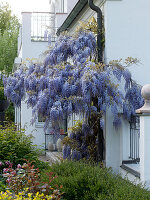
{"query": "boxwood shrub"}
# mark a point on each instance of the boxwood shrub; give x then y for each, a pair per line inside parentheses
(83, 181)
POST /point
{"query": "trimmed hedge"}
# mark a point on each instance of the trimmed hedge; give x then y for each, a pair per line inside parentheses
(83, 181)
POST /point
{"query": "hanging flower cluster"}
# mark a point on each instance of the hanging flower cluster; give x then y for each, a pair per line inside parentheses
(82, 143)
(70, 81)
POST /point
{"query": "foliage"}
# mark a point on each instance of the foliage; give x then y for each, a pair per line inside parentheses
(2, 186)
(9, 27)
(10, 113)
(85, 181)
(2, 96)
(15, 146)
(27, 178)
(9, 30)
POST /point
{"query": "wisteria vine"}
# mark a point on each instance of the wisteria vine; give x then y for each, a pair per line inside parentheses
(70, 81)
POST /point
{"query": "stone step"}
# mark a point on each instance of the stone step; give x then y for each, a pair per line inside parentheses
(52, 157)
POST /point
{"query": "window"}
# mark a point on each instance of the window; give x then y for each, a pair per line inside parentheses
(60, 6)
(41, 118)
(40, 121)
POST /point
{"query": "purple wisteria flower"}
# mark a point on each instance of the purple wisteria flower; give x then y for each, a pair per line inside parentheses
(71, 76)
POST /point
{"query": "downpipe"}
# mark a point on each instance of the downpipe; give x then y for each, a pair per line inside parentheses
(100, 145)
(99, 29)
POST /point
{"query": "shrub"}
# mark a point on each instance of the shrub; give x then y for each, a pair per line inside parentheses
(2, 96)
(83, 181)
(16, 146)
(10, 113)
(2, 186)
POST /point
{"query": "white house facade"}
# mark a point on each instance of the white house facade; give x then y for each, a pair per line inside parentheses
(31, 45)
(126, 35)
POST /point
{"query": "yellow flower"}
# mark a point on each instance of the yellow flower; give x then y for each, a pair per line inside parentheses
(29, 195)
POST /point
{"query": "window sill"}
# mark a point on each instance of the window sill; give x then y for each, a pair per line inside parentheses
(132, 168)
(39, 124)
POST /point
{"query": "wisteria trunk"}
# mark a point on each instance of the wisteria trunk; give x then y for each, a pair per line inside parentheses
(98, 131)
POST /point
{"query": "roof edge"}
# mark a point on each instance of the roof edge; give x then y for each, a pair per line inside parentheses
(71, 17)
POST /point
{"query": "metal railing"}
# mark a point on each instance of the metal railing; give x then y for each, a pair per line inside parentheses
(40, 23)
(134, 138)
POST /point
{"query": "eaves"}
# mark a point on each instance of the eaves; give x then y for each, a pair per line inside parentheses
(72, 16)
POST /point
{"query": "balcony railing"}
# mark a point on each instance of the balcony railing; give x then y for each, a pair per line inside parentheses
(42, 23)
(134, 138)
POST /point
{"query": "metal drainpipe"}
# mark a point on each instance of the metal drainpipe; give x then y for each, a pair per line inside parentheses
(100, 59)
(99, 29)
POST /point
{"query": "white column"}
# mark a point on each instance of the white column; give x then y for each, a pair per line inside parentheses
(145, 136)
(26, 34)
(52, 18)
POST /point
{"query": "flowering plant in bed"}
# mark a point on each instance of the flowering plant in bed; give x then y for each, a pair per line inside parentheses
(25, 179)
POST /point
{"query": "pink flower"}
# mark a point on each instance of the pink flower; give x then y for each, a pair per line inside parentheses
(8, 180)
(18, 166)
(13, 173)
(5, 170)
(9, 163)
(1, 163)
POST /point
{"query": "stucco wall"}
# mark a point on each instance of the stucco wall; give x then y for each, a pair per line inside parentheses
(124, 27)
(127, 34)
(113, 137)
(32, 49)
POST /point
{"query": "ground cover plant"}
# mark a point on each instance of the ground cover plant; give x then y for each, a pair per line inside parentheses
(24, 182)
(85, 181)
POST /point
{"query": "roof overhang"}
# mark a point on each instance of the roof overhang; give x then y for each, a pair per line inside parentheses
(71, 17)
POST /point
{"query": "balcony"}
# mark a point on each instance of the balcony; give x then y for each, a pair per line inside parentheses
(43, 27)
